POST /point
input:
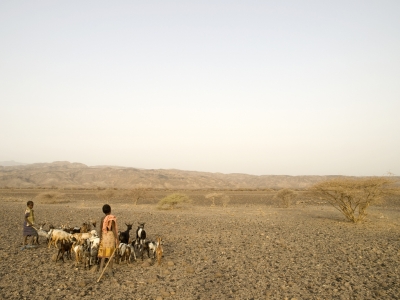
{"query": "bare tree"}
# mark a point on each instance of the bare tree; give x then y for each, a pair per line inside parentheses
(212, 196)
(286, 196)
(352, 196)
(225, 200)
(136, 194)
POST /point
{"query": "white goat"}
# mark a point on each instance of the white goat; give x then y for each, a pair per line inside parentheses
(149, 246)
(77, 248)
(43, 233)
(84, 236)
(124, 252)
(94, 249)
(57, 235)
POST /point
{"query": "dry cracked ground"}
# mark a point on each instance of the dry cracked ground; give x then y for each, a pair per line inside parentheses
(239, 252)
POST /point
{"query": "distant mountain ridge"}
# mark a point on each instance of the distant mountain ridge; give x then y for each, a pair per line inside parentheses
(10, 163)
(76, 175)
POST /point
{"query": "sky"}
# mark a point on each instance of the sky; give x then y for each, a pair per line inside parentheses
(256, 87)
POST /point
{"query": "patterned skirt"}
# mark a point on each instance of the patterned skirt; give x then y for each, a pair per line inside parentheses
(29, 231)
(107, 245)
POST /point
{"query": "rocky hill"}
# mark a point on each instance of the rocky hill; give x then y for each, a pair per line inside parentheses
(76, 175)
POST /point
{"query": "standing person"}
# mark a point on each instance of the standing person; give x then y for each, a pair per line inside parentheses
(108, 237)
(29, 221)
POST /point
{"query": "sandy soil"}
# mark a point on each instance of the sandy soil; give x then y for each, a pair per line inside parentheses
(240, 252)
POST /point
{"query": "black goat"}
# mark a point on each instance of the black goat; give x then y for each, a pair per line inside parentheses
(124, 235)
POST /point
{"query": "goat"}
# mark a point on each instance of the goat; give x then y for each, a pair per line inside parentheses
(86, 253)
(94, 249)
(140, 235)
(93, 222)
(159, 250)
(85, 235)
(70, 229)
(77, 248)
(57, 235)
(65, 247)
(133, 244)
(124, 235)
(84, 228)
(43, 233)
(124, 252)
(149, 246)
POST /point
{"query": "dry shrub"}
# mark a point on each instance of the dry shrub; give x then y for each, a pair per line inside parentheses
(107, 195)
(136, 194)
(172, 201)
(286, 196)
(51, 198)
(352, 196)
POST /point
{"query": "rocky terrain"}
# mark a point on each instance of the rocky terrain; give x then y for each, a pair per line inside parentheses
(247, 250)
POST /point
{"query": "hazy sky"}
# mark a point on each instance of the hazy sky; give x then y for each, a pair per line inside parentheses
(257, 87)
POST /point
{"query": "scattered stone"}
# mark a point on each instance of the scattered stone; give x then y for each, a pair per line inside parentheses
(152, 280)
(146, 264)
(170, 263)
(218, 274)
(166, 272)
(165, 294)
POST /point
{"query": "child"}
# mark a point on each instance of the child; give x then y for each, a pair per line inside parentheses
(108, 237)
(29, 221)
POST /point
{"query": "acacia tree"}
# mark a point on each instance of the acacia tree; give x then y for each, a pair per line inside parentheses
(172, 201)
(352, 196)
(286, 196)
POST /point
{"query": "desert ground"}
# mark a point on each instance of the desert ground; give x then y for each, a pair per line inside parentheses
(250, 249)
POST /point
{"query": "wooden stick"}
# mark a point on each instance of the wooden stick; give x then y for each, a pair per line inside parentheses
(112, 255)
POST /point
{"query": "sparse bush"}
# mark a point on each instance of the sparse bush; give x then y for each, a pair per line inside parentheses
(286, 196)
(51, 198)
(107, 195)
(351, 196)
(173, 200)
(136, 194)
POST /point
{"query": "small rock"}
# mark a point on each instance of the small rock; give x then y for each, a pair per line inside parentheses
(166, 272)
(170, 263)
(190, 270)
(152, 280)
(82, 283)
(165, 294)
(145, 264)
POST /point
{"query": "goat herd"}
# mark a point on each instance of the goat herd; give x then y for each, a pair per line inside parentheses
(84, 243)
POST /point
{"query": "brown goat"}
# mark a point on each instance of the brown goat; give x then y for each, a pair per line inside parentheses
(159, 250)
(65, 247)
